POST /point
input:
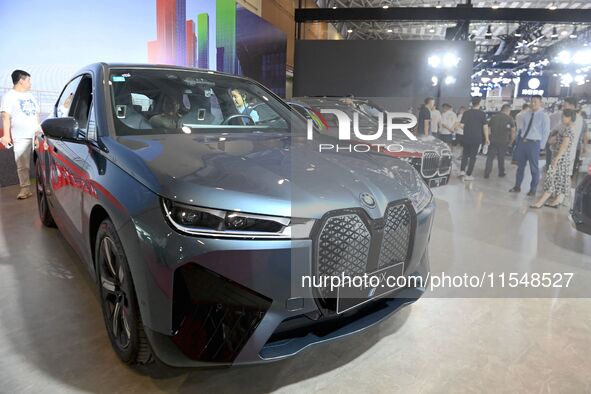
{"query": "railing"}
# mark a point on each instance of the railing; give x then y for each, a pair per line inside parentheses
(45, 98)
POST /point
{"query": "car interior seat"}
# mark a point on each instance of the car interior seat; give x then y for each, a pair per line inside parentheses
(129, 113)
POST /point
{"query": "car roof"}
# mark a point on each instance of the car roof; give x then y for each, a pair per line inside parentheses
(96, 67)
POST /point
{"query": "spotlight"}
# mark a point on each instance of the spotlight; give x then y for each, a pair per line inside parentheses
(431, 29)
(552, 6)
(582, 57)
(574, 33)
(488, 34)
(350, 31)
(495, 5)
(389, 30)
(438, 5)
(554, 35)
(385, 7)
(450, 60)
(517, 34)
(434, 61)
(434, 80)
(334, 7)
(449, 80)
(565, 57)
(566, 79)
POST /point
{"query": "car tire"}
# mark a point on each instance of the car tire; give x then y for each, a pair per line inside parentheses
(118, 299)
(42, 204)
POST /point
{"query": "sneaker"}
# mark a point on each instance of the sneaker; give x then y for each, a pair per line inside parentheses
(531, 193)
(515, 190)
(24, 194)
(462, 173)
(486, 176)
(468, 178)
(502, 175)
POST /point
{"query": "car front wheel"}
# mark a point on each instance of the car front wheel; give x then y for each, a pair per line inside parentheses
(42, 205)
(118, 298)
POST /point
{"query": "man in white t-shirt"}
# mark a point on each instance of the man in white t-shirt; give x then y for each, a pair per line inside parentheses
(449, 121)
(435, 121)
(20, 121)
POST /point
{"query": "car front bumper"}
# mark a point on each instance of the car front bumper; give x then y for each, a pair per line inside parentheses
(207, 301)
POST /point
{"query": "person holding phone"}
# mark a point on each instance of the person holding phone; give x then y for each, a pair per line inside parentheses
(20, 121)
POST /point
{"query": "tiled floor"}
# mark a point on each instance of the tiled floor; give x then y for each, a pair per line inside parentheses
(52, 337)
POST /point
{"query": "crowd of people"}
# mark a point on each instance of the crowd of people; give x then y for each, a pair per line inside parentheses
(561, 135)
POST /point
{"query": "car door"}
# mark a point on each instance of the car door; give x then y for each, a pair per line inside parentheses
(66, 161)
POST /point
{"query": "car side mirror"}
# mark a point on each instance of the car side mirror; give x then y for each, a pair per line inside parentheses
(61, 128)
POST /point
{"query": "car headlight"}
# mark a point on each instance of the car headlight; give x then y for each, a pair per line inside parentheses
(422, 198)
(231, 224)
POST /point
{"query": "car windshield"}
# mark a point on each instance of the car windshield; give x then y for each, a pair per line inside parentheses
(331, 120)
(163, 101)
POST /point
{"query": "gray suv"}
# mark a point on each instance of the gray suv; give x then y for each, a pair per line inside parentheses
(197, 203)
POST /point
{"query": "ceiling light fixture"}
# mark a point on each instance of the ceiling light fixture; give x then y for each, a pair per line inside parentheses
(554, 35)
(488, 34)
(438, 5)
(495, 5)
(350, 31)
(552, 6)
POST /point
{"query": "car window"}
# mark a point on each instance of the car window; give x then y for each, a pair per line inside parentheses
(81, 103)
(143, 102)
(64, 103)
(161, 101)
(91, 131)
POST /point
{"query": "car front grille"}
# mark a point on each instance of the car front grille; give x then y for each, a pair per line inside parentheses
(348, 242)
(397, 233)
(445, 162)
(430, 164)
(343, 246)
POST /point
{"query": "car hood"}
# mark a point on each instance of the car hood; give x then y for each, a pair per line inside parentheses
(273, 174)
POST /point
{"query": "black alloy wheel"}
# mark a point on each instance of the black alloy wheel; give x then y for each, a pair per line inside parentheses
(42, 205)
(118, 299)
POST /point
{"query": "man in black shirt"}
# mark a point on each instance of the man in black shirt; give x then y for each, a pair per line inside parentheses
(502, 131)
(475, 128)
(424, 121)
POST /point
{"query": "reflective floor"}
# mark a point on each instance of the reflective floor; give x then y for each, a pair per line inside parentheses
(52, 337)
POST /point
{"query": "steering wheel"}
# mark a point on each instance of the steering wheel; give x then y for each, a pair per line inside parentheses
(232, 117)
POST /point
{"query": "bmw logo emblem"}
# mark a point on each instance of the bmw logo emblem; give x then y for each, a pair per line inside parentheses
(368, 200)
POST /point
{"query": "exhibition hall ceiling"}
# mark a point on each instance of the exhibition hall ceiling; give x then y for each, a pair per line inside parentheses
(521, 42)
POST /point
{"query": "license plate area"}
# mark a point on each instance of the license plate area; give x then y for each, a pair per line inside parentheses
(349, 296)
(435, 182)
